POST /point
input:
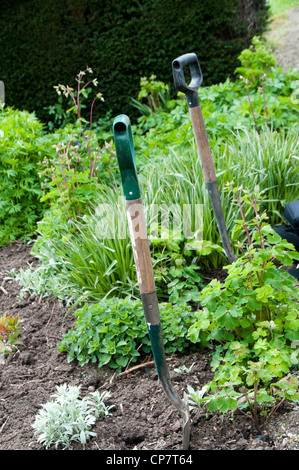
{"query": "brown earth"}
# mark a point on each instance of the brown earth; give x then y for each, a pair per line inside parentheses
(142, 418)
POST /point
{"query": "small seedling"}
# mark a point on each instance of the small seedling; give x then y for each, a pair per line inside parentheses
(184, 369)
(9, 332)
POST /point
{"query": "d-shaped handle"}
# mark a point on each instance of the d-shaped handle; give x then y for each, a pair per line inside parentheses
(126, 156)
(191, 90)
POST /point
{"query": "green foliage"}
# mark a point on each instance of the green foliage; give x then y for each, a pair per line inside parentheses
(91, 256)
(41, 280)
(246, 158)
(254, 316)
(68, 418)
(20, 206)
(66, 36)
(256, 62)
(80, 164)
(177, 278)
(113, 332)
(258, 403)
(264, 99)
(155, 93)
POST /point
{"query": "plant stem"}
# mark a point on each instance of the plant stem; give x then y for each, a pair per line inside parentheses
(256, 128)
(263, 90)
(243, 218)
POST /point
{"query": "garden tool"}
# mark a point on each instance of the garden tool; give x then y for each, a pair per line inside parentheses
(143, 263)
(201, 138)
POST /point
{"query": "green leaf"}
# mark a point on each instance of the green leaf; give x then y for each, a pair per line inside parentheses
(264, 293)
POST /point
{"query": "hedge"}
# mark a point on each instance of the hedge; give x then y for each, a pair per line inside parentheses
(46, 43)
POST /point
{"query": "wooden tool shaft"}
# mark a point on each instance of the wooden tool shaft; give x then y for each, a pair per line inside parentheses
(202, 143)
(209, 174)
(141, 250)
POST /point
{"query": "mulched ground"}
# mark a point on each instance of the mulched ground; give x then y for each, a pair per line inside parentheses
(142, 418)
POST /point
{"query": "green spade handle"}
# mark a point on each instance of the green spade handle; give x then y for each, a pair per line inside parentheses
(126, 156)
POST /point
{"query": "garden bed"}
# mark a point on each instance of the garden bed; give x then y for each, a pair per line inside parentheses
(141, 417)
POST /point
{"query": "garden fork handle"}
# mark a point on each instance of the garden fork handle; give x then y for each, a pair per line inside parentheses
(201, 138)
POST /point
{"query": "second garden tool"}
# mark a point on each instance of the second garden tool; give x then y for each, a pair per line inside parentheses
(143, 263)
(201, 138)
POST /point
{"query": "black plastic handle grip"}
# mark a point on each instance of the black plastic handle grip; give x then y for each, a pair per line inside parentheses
(191, 90)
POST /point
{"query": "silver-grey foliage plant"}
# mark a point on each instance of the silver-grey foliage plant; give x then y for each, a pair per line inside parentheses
(68, 418)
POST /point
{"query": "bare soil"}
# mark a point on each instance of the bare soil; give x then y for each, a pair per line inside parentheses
(142, 418)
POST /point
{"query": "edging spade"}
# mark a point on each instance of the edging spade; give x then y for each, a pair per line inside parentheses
(201, 138)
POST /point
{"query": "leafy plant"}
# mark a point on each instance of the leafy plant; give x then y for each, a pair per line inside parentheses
(247, 158)
(68, 418)
(256, 61)
(258, 402)
(90, 255)
(178, 280)
(254, 317)
(184, 369)
(20, 191)
(81, 164)
(113, 332)
(40, 281)
(226, 108)
(153, 98)
(9, 333)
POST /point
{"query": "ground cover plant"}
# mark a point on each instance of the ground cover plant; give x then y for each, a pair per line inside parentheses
(68, 418)
(114, 332)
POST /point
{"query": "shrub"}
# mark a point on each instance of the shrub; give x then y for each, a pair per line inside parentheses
(65, 37)
(113, 332)
(253, 317)
(20, 190)
(71, 179)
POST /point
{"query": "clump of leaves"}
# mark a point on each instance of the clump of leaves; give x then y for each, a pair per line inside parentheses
(177, 276)
(256, 61)
(9, 333)
(114, 332)
(254, 316)
(68, 418)
(154, 92)
(20, 191)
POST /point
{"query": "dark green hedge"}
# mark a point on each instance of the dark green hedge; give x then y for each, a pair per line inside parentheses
(46, 42)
